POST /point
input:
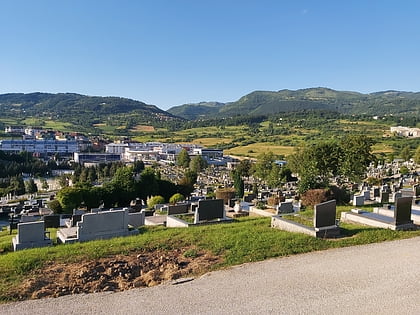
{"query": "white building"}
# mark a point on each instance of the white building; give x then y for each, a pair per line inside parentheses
(406, 132)
(40, 146)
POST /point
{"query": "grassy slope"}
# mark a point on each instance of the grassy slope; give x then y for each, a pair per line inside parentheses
(249, 239)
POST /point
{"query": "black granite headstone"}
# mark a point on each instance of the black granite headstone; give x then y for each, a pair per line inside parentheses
(325, 214)
(210, 209)
(402, 213)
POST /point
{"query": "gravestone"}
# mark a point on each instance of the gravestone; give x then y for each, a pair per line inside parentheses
(30, 235)
(210, 210)
(178, 209)
(366, 194)
(416, 190)
(285, 207)
(136, 219)
(376, 192)
(249, 197)
(358, 200)
(52, 221)
(384, 197)
(402, 214)
(100, 225)
(324, 214)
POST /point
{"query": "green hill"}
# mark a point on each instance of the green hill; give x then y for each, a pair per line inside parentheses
(267, 102)
(79, 109)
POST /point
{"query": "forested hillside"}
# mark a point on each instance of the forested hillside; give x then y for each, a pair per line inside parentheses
(266, 102)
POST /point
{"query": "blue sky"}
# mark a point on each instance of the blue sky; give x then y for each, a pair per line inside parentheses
(171, 52)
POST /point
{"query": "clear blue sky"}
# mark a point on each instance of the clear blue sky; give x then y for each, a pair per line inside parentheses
(171, 52)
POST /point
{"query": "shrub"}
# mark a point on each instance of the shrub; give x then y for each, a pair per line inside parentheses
(176, 198)
(314, 196)
(155, 200)
(273, 201)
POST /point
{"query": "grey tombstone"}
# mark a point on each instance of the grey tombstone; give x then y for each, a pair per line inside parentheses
(325, 214)
(285, 207)
(359, 200)
(402, 213)
(366, 194)
(210, 209)
(30, 235)
(136, 219)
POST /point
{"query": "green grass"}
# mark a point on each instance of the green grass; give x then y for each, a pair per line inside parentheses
(245, 240)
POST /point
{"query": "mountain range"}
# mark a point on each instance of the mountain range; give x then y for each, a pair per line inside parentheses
(87, 110)
(269, 102)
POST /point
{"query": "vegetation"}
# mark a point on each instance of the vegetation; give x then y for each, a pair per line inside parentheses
(317, 163)
(267, 103)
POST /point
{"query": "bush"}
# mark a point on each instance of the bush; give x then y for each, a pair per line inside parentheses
(55, 206)
(314, 196)
(176, 198)
(341, 195)
(273, 201)
(155, 200)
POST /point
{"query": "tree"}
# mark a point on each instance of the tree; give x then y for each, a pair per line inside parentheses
(148, 184)
(44, 184)
(356, 156)
(197, 164)
(70, 198)
(30, 186)
(244, 168)
(17, 186)
(186, 184)
(63, 180)
(183, 159)
(55, 206)
(176, 198)
(406, 153)
(264, 165)
(238, 183)
(417, 155)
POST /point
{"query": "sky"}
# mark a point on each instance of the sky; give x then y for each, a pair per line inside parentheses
(172, 52)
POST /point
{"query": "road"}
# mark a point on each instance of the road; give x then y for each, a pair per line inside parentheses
(371, 279)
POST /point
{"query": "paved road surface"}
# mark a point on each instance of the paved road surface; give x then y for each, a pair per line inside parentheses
(372, 279)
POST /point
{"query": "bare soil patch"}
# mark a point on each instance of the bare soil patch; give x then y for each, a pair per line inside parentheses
(143, 128)
(117, 273)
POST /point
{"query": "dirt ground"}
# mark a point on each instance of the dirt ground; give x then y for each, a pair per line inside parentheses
(117, 273)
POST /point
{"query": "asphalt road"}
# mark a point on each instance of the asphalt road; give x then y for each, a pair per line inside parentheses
(373, 279)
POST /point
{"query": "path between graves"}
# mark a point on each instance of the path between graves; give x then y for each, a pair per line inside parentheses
(371, 279)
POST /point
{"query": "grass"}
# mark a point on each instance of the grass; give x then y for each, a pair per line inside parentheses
(255, 149)
(245, 240)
